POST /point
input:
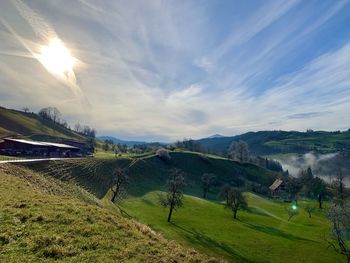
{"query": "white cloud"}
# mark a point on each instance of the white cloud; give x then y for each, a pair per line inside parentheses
(139, 69)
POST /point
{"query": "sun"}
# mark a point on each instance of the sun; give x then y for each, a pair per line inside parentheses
(56, 58)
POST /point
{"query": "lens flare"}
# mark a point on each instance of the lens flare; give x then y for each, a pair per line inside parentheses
(56, 58)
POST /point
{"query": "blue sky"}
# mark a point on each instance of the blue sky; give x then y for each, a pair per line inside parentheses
(165, 70)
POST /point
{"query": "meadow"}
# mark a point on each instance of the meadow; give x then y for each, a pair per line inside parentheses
(261, 234)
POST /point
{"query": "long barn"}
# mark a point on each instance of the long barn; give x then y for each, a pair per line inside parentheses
(21, 147)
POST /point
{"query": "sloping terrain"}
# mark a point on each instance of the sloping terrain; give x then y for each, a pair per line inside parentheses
(150, 173)
(261, 234)
(45, 220)
(32, 126)
(272, 142)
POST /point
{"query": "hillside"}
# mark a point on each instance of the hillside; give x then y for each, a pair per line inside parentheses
(44, 220)
(273, 142)
(55, 216)
(261, 234)
(119, 141)
(150, 173)
(30, 125)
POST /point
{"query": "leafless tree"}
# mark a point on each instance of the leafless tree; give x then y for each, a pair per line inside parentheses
(309, 209)
(291, 211)
(173, 198)
(339, 215)
(163, 154)
(120, 181)
(239, 151)
(224, 193)
(236, 201)
(25, 109)
(208, 181)
(77, 128)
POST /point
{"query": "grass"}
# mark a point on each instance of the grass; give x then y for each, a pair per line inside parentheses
(45, 220)
(149, 173)
(262, 234)
(101, 154)
(6, 158)
(14, 122)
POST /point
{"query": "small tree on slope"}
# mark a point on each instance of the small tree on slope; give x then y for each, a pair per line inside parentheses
(175, 185)
(339, 215)
(120, 181)
(208, 181)
(236, 201)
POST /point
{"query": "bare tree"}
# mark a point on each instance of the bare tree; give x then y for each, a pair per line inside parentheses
(339, 216)
(163, 154)
(340, 187)
(224, 193)
(51, 113)
(208, 181)
(292, 211)
(319, 190)
(77, 128)
(175, 185)
(120, 181)
(309, 209)
(239, 151)
(236, 201)
(25, 109)
(56, 115)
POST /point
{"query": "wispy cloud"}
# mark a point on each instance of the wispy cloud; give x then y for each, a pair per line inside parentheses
(307, 115)
(168, 70)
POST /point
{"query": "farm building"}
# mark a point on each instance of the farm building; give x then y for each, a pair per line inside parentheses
(21, 147)
(278, 188)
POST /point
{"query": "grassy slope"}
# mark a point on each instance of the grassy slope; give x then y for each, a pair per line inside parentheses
(271, 142)
(261, 234)
(42, 220)
(150, 173)
(14, 122)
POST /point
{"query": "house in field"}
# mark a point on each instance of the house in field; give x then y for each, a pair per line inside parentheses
(277, 187)
(21, 147)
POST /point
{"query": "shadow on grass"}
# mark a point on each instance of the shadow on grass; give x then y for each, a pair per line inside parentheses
(196, 237)
(276, 232)
(257, 211)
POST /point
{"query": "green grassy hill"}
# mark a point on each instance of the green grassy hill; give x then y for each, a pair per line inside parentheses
(32, 126)
(273, 142)
(261, 234)
(150, 173)
(45, 220)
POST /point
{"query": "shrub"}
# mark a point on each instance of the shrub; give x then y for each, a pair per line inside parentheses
(163, 154)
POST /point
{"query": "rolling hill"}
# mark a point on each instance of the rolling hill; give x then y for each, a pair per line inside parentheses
(46, 220)
(30, 125)
(119, 141)
(150, 173)
(274, 142)
(57, 219)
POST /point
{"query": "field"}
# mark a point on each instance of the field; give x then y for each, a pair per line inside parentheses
(261, 234)
(48, 208)
(30, 125)
(45, 220)
(274, 142)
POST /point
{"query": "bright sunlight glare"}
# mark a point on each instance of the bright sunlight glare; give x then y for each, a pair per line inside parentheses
(57, 58)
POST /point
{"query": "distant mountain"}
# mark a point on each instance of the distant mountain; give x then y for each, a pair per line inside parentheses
(215, 136)
(273, 142)
(119, 141)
